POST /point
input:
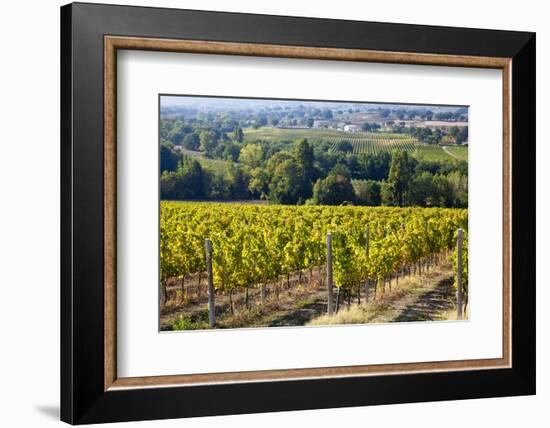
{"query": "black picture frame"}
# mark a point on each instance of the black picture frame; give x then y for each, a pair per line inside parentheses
(83, 398)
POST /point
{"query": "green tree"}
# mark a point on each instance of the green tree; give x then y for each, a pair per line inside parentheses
(341, 170)
(459, 183)
(237, 182)
(327, 114)
(462, 136)
(443, 191)
(305, 158)
(177, 132)
(333, 190)
(258, 185)
(374, 167)
(251, 155)
(287, 185)
(344, 146)
(275, 160)
(168, 158)
(165, 128)
(422, 191)
(218, 188)
(191, 141)
(453, 132)
(207, 142)
(367, 192)
(231, 151)
(238, 134)
(309, 122)
(187, 183)
(401, 171)
(386, 196)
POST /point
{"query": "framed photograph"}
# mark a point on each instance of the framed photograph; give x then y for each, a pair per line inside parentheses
(266, 213)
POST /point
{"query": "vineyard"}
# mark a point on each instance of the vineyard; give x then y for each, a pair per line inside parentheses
(264, 250)
(362, 142)
(375, 143)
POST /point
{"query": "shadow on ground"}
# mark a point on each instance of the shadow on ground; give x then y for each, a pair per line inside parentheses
(300, 316)
(429, 304)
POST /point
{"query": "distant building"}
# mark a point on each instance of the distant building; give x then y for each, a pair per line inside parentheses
(352, 128)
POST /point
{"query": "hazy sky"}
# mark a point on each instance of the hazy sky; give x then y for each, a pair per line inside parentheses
(223, 102)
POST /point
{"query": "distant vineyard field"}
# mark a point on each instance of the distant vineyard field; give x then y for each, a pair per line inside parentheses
(362, 142)
(371, 143)
(290, 135)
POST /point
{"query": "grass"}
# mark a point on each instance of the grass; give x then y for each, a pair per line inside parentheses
(188, 322)
(374, 310)
(362, 314)
(357, 314)
(459, 152)
(212, 164)
(436, 153)
(450, 315)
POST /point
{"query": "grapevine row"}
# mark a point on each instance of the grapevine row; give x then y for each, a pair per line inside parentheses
(256, 244)
(375, 145)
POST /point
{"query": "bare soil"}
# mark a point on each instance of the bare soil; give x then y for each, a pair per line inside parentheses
(286, 302)
(427, 300)
(297, 300)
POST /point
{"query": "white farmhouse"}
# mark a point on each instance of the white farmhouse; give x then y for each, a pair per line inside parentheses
(352, 128)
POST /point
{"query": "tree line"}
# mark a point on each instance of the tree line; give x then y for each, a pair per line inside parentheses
(311, 175)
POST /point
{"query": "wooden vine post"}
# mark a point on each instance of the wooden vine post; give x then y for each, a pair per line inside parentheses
(402, 268)
(211, 302)
(459, 274)
(367, 284)
(329, 273)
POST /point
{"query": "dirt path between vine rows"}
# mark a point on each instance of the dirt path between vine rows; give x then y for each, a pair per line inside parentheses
(429, 297)
(426, 297)
(449, 152)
